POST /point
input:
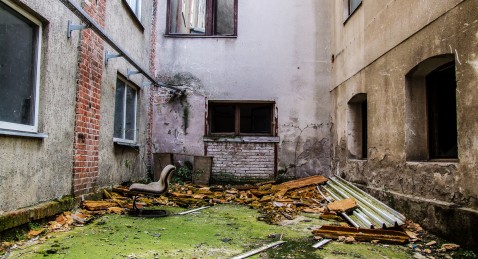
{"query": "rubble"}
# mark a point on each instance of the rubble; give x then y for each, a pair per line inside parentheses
(344, 205)
(276, 202)
(364, 235)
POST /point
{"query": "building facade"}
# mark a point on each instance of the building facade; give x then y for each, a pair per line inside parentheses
(73, 115)
(404, 108)
(255, 79)
(380, 92)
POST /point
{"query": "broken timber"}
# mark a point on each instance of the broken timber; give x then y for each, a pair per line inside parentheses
(360, 234)
(258, 250)
(308, 181)
(344, 205)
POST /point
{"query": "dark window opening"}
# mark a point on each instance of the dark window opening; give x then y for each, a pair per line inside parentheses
(240, 118)
(19, 43)
(357, 125)
(364, 129)
(202, 17)
(441, 108)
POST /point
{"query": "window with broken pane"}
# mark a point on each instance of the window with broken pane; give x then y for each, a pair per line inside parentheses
(240, 118)
(19, 66)
(125, 112)
(202, 17)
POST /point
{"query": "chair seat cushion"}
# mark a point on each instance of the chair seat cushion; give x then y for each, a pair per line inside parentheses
(153, 188)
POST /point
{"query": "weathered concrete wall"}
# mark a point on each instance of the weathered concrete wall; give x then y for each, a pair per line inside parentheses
(373, 54)
(34, 170)
(285, 58)
(118, 163)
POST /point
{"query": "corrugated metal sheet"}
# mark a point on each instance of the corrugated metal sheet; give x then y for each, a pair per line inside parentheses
(371, 213)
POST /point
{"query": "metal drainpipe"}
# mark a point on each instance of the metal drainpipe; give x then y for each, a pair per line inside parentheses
(91, 24)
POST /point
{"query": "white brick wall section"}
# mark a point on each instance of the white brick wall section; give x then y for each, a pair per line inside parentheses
(253, 160)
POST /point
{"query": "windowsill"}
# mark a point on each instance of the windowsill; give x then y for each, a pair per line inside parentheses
(242, 139)
(24, 134)
(120, 142)
(133, 16)
(199, 36)
(451, 161)
(358, 160)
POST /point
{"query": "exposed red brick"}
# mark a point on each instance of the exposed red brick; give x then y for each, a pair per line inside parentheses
(87, 118)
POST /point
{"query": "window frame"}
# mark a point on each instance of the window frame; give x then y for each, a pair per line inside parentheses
(127, 84)
(348, 12)
(136, 10)
(210, 23)
(36, 69)
(237, 118)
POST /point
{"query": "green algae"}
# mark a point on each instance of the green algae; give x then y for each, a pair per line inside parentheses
(221, 231)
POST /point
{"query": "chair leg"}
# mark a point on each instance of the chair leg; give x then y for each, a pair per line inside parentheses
(134, 203)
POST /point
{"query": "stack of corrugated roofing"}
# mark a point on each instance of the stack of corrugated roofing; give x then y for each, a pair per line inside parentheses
(371, 213)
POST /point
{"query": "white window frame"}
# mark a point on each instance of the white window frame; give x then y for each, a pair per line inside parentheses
(123, 133)
(136, 9)
(36, 85)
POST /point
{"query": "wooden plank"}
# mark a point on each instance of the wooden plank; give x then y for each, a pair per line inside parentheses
(304, 182)
(98, 205)
(365, 235)
(344, 205)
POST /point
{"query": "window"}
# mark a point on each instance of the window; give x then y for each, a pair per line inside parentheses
(135, 6)
(431, 119)
(20, 45)
(125, 112)
(357, 124)
(202, 17)
(240, 118)
(441, 107)
(353, 5)
(350, 6)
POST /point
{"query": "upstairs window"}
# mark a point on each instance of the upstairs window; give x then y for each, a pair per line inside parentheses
(350, 6)
(135, 6)
(125, 112)
(20, 44)
(202, 17)
(229, 118)
(353, 5)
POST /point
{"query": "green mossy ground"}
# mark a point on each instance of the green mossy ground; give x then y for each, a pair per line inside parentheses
(221, 231)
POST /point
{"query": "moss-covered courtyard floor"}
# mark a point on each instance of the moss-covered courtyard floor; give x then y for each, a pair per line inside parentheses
(221, 231)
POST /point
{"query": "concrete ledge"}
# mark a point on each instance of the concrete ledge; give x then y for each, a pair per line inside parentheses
(22, 216)
(445, 219)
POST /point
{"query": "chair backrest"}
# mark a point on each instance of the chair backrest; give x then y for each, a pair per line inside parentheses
(165, 176)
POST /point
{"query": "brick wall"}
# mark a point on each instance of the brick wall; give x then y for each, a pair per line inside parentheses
(242, 161)
(87, 111)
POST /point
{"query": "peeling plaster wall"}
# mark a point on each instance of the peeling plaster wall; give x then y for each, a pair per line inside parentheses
(283, 58)
(374, 52)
